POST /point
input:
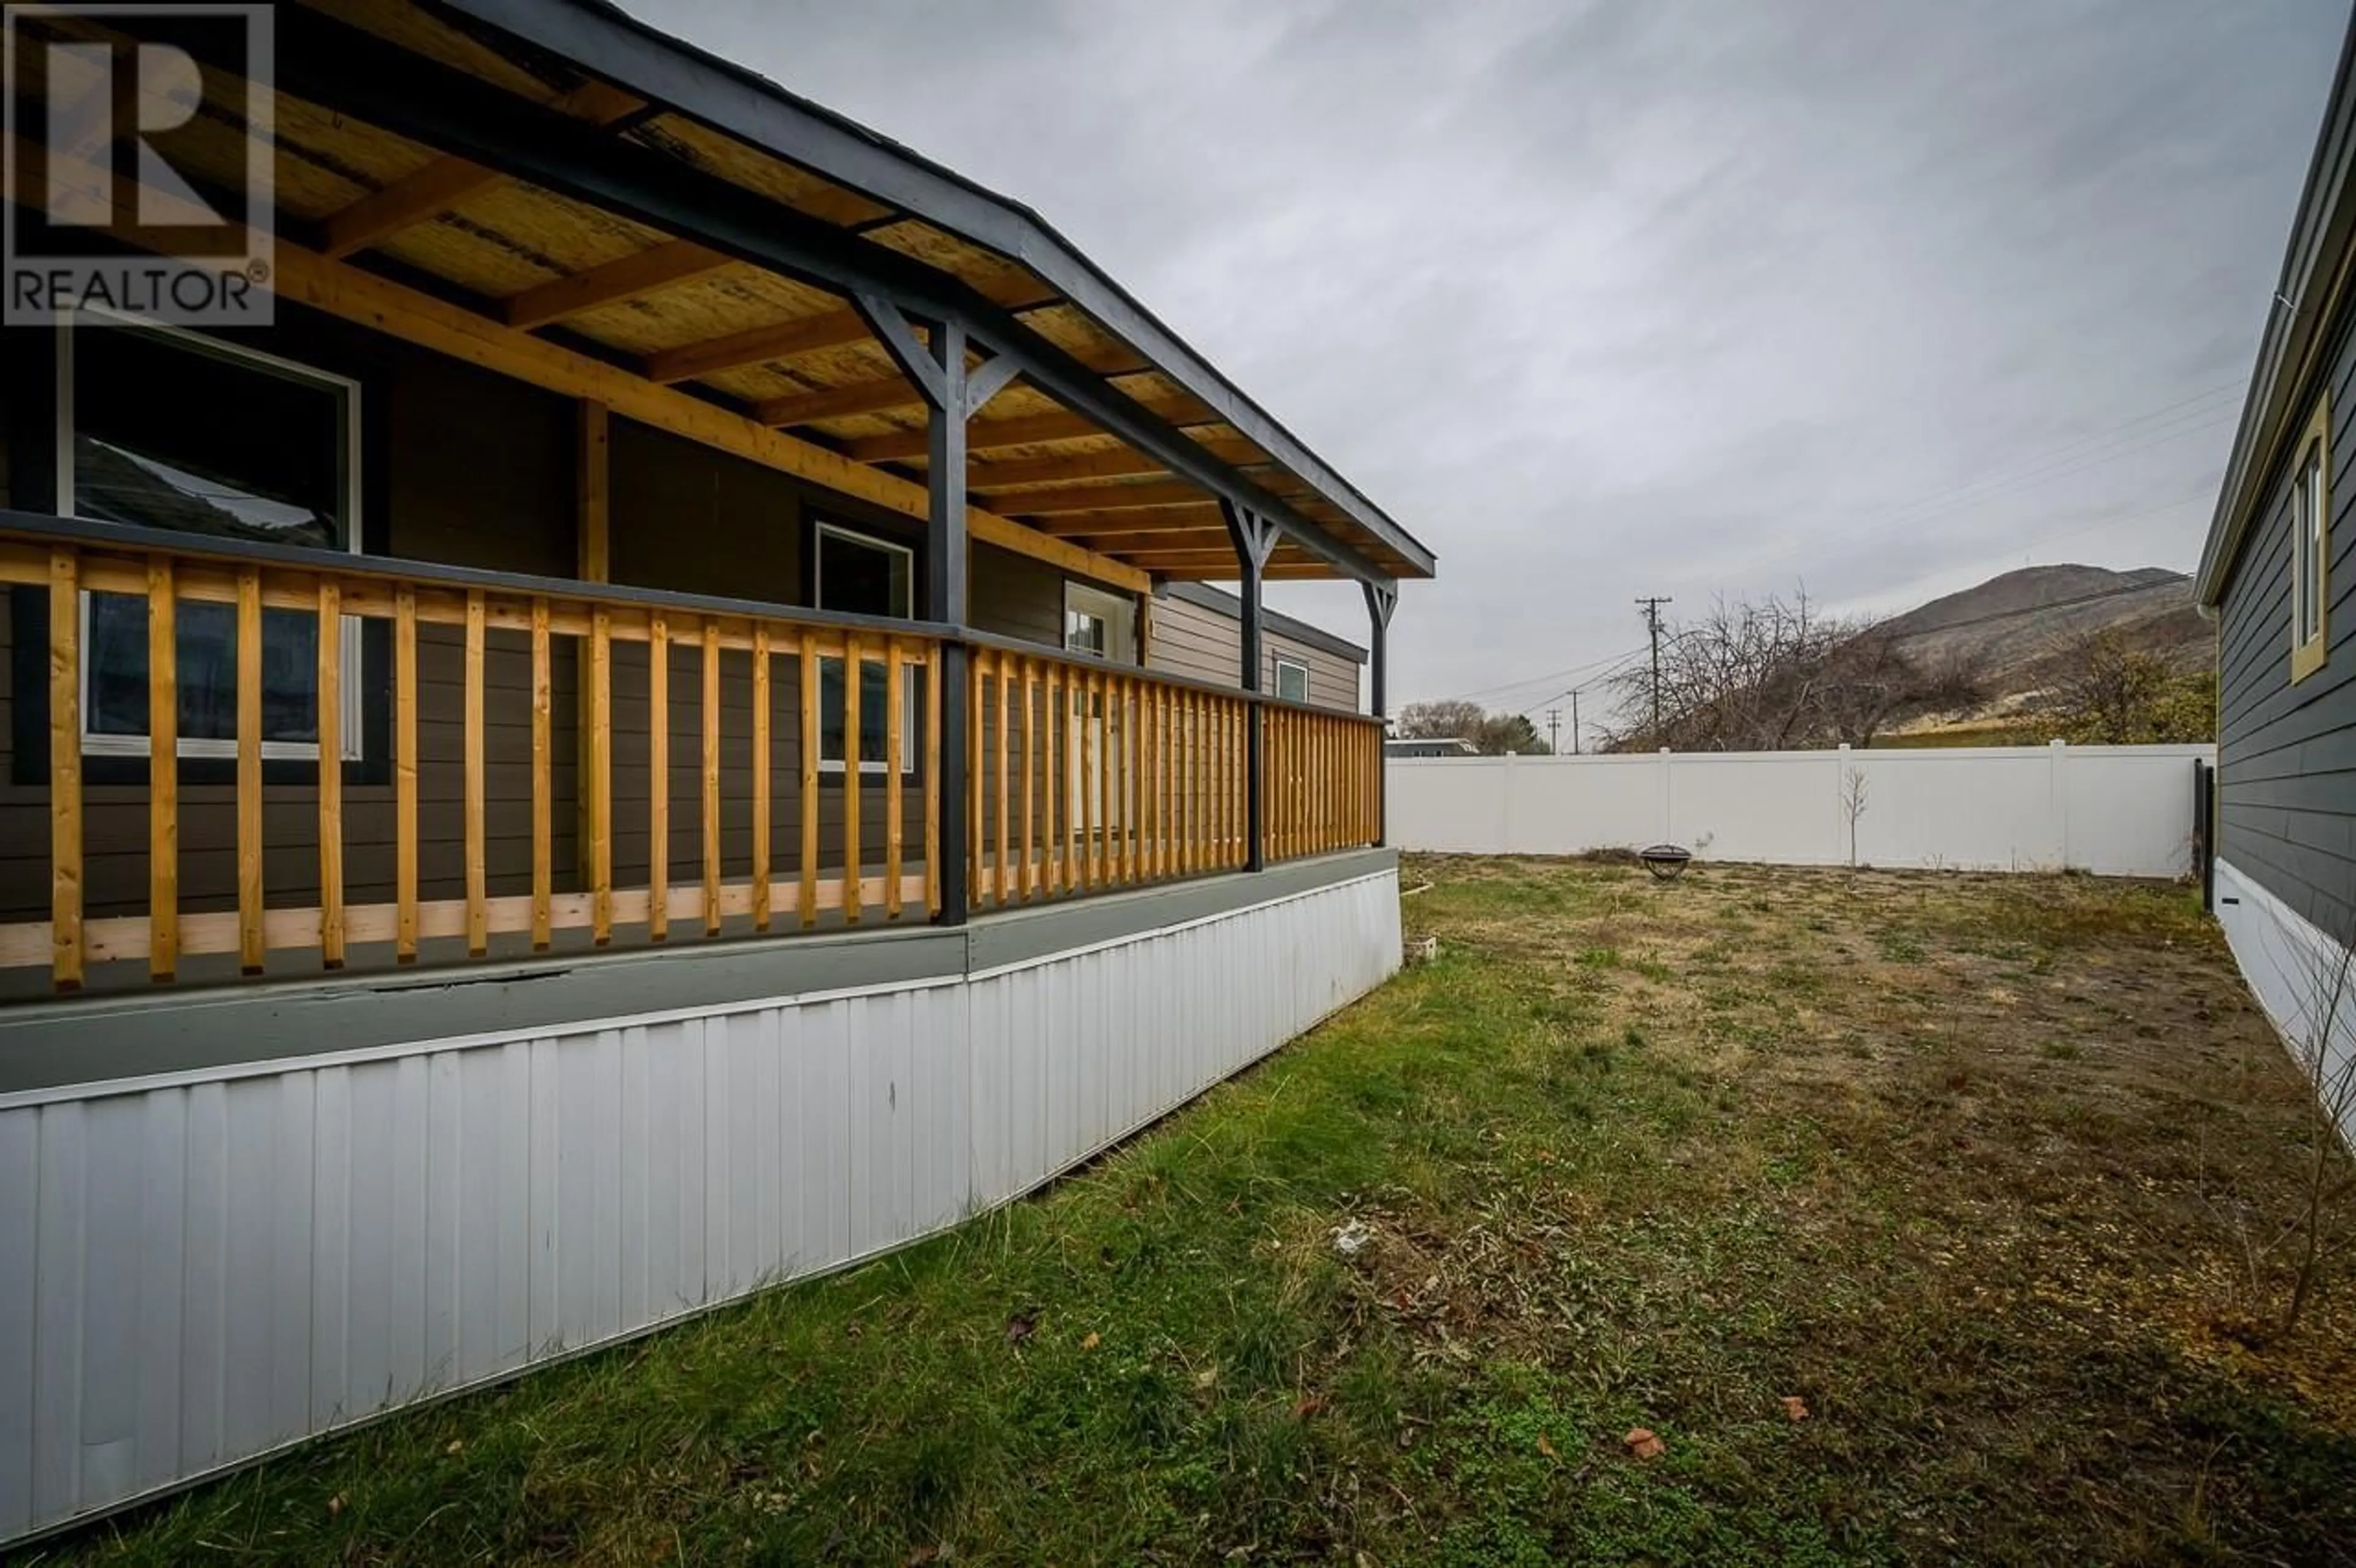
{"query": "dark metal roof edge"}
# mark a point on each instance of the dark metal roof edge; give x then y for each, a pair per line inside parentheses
(2308, 271)
(673, 71)
(1220, 601)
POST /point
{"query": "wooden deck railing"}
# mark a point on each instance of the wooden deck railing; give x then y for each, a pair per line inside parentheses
(1089, 777)
(748, 889)
(1323, 775)
(551, 764)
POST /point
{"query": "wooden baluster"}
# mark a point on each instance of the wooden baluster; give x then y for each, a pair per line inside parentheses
(65, 770)
(933, 778)
(543, 781)
(405, 773)
(976, 781)
(893, 701)
(328, 726)
(1148, 694)
(657, 777)
(249, 939)
(852, 759)
(1067, 772)
(478, 932)
(761, 799)
(1005, 845)
(601, 775)
(162, 772)
(1030, 889)
(809, 780)
(1049, 721)
(711, 777)
(1132, 798)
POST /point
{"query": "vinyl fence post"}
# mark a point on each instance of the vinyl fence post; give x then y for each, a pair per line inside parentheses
(1668, 826)
(2059, 753)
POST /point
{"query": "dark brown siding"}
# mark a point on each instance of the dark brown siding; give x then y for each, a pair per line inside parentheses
(2286, 753)
(465, 468)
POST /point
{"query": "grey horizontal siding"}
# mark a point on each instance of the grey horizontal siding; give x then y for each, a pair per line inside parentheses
(2286, 753)
(1192, 640)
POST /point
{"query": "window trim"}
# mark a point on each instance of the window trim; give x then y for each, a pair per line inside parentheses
(2310, 655)
(910, 720)
(352, 730)
(1109, 606)
(1277, 684)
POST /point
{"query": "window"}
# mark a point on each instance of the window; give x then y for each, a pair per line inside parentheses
(169, 429)
(2311, 546)
(1098, 622)
(857, 575)
(1292, 679)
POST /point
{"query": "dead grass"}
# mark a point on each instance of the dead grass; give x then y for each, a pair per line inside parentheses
(1960, 1164)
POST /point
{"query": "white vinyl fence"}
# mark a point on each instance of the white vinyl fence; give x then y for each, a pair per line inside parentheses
(2122, 811)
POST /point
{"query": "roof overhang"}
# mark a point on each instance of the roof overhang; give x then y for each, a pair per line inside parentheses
(2308, 299)
(611, 44)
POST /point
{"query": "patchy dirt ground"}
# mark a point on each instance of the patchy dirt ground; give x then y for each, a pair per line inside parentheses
(1908, 1218)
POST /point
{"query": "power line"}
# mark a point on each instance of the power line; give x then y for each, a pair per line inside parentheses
(1651, 609)
(1537, 681)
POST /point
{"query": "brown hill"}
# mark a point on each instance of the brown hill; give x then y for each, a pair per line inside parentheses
(2013, 629)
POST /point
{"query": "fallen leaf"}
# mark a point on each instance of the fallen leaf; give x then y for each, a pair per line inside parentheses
(457, 1445)
(1020, 1328)
(1092, 1341)
(1795, 1407)
(1643, 1444)
(335, 1505)
(1308, 1405)
(1206, 1377)
(1545, 1447)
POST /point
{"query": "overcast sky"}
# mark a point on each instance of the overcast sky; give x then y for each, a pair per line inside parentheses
(1653, 297)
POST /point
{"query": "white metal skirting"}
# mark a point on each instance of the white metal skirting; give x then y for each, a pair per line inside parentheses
(2296, 972)
(199, 1270)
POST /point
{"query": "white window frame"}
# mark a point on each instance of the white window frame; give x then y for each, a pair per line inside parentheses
(352, 726)
(1117, 611)
(879, 766)
(2311, 547)
(1283, 664)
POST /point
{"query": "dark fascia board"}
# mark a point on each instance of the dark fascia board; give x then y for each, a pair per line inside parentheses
(612, 44)
(2313, 261)
(1221, 603)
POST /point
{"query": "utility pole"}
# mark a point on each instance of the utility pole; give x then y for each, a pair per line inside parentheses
(1554, 729)
(1652, 612)
(1574, 720)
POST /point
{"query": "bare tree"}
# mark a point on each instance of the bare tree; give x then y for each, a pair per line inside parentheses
(1777, 675)
(1852, 801)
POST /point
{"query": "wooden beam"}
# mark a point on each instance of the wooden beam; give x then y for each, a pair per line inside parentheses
(641, 272)
(1149, 544)
(1120, 463)
(310, 279)
(1144, 519)
(757, 346)
(447, 182)
(984, 434)
(1108, 497)
(840, 402)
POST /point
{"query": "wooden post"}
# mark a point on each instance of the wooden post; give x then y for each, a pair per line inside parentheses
(544, 789)
(659, 776)
(478, 926)
(162, 772)
(761, 798)
(1002, 670)
(931, 778)
(809, 655)
(65, 770)
(328, 726)
(600, 789)
(852, 764)
(711, 777)
(404, 772)
(893, 700)
(249, 770)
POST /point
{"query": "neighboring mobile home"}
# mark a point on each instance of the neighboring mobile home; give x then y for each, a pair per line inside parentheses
(2280, 574)
(726, 561)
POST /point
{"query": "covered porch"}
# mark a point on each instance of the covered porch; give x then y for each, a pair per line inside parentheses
(572, 700)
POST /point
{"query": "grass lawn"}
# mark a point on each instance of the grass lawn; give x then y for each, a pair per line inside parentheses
(1961, 1164)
